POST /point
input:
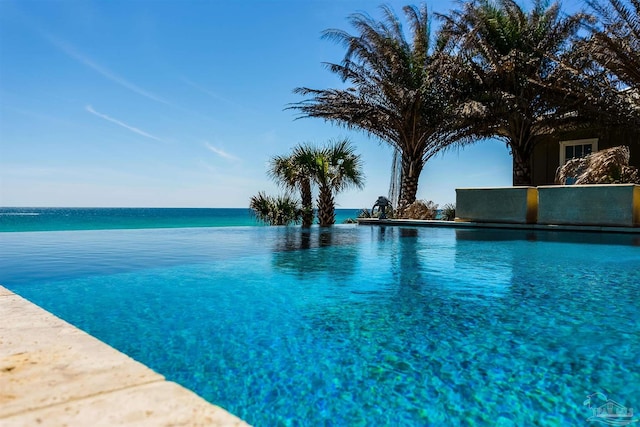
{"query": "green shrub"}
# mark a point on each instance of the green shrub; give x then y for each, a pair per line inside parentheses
(448, 212)
(279, 210)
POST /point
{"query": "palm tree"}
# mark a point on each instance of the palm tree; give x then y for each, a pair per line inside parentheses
(336, 167)
(615, 48)
(294, 172)
(617, 43)
(509, 64)
(397, 91)
(279, 210)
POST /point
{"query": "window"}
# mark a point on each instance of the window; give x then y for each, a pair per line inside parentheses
(577, 148)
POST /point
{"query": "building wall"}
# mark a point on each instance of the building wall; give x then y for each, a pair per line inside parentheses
(546, 154)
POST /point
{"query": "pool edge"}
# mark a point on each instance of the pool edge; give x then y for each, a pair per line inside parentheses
(498, 225)
(53, 373)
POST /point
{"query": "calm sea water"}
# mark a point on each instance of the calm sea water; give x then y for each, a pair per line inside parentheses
(55, 219)
(356, 325)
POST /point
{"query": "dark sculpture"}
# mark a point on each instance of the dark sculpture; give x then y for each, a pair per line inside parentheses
(382, 203)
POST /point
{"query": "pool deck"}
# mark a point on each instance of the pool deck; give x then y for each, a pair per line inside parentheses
(535, 227)
(54, 374)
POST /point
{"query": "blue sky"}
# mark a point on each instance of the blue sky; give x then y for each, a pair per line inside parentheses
(182, 103)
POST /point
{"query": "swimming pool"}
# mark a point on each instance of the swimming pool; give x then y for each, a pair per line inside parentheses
(356, 325)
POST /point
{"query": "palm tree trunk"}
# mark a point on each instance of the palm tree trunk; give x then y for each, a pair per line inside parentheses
(326, 207)
(307, 216)
(521, 167)
(307, 203)
(396, 178)
(411, 170)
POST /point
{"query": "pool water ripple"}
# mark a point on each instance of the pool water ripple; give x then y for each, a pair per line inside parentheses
(357, 325)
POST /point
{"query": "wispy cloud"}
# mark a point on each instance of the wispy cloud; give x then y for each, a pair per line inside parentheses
(220, 152)
(85, 60)
(215, 95)
(205, 91)
(90, 109)
(208, 167)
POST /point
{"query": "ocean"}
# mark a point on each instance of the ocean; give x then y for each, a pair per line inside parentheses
(58, 219)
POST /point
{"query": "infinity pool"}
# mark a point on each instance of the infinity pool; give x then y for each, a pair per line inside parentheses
(357, 325)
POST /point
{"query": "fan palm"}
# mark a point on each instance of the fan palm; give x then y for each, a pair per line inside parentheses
(336, 167)
(279, 210)
(397, 92)
(294, 172)
(509, 63)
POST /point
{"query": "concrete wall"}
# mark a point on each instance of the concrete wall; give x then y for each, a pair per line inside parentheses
(515, 205)
(609, 205)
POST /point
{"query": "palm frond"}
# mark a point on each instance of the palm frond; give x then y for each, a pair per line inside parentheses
(396, 90)
(615, 44)
(515, 84)
(278, 210)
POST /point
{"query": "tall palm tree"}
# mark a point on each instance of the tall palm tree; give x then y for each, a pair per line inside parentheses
(294, 172)
(336, 167)
(397, 92)
(615, 48)
(508, 62)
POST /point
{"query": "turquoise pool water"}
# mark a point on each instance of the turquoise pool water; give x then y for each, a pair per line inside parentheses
(356, 325)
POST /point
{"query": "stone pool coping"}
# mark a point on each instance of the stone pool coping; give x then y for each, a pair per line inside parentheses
(465, 224)
(52, 373)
